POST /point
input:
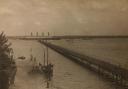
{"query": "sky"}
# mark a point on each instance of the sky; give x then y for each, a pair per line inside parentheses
(64, 17)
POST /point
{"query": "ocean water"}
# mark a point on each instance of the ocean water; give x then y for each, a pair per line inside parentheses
(67, 74)
(113, 50)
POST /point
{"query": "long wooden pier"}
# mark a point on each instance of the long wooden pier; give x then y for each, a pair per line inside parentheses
(110, 71)
(63, 37)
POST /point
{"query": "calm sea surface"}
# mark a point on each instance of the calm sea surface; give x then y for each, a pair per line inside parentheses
(67, 74)
(113, 50)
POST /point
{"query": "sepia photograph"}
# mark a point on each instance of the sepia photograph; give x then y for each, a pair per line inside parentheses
(63, 44)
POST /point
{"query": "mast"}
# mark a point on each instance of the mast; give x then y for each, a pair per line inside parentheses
(47, 54)
(31, 56)
(47, 49)
(44, 57)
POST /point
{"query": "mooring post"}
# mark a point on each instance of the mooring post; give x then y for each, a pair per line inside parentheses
(47, 83)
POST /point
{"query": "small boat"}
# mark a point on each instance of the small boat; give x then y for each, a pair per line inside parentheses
(47, 68)
(22, 57)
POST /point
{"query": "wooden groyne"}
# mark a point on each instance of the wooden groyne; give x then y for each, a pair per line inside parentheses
(110, 71)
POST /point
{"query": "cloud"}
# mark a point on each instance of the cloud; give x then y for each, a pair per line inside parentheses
(86, 17)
